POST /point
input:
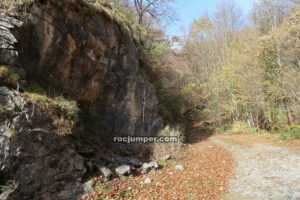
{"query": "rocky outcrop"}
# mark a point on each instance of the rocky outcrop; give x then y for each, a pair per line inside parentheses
(91, 56)
(8, 53)
(44, 165)
(94, 58)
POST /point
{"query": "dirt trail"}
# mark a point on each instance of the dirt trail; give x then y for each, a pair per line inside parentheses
(264, 171)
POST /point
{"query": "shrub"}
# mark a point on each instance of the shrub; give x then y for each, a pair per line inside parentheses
(10, 132)
(239, 127)
(289, 132)
(168, 131)
(63, 112)
(256, 130)
(173, 148)
(3, 71)
(224, 128)
(36, 88)
(2, 110)
(7, 77)
(286, 132)
(294, 132)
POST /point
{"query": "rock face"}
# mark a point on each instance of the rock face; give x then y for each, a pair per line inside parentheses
(8, 53)
(93, 58)
(44, 165)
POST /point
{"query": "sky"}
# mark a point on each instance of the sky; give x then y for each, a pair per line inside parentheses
(189, 10)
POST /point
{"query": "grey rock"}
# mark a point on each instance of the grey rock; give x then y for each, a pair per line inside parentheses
(123, 170)
(10, 20)
(147, 181)
(105, 171)
(36, 158)
(135, 162)
(179, 167)
(120, 159)
(88, 187)
(166, 157)
(129, 188)
(8, 57)
(8, 53)
(146, 167)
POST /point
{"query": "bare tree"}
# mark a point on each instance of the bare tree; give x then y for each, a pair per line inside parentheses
(268, 14)
(156, 9)
(228, 20)
(228, 16)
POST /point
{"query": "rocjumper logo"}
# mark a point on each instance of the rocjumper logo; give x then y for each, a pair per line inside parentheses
(150, 139)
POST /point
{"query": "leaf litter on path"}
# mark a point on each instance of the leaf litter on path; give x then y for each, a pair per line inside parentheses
(208, 168)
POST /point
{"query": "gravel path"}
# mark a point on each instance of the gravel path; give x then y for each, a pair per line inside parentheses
(263, 171)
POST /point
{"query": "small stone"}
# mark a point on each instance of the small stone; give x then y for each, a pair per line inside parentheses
(135, 162)
(149, 166)
(166, 157)
(147, 181)
(124, 170)
(104, 171)
(88, 187)
(179, 167)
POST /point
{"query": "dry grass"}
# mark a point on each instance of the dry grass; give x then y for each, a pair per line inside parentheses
(7, 2)
(7, 77)
(171, 148)
(62, 112)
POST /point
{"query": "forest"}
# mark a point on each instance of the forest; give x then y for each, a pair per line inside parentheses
(235, 70)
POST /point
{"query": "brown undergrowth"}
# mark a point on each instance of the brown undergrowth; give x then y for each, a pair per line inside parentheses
(208, 168)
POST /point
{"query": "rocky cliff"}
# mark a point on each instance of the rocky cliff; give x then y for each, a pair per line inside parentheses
(90, 55)
(44, 165)
(95, 60)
